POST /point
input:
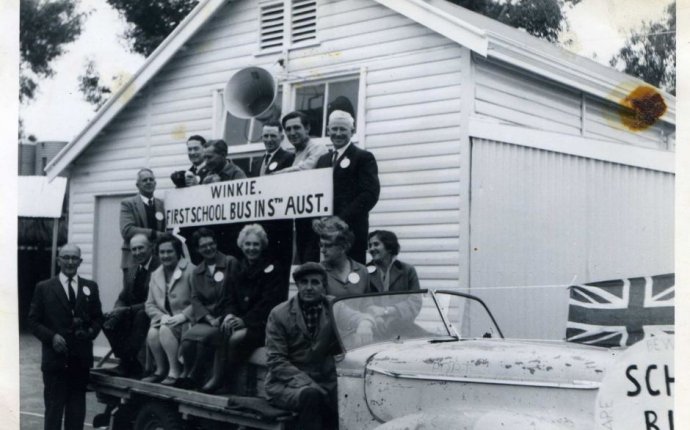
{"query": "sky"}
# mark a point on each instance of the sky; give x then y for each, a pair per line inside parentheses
(598, 29)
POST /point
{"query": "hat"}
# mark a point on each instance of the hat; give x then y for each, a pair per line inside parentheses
(341, 116)
(308, 268)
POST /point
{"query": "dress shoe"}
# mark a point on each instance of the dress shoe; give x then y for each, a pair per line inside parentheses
(169, 381)
(153, 378)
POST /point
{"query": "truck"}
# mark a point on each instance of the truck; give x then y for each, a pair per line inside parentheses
(446, 366)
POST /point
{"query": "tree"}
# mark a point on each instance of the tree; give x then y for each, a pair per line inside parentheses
(650, 52)
(45, 27)
(541, 18)
(151, 21)
(90, 85)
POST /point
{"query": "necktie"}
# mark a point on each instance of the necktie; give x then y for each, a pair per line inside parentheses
(70, 293)
(335, 158)
(140, 284)
(151, 202)
(264, 165)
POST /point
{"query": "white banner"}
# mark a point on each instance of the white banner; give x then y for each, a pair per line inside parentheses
(281, 196)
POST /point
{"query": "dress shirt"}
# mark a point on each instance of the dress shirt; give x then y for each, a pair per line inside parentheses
(341, 151)
(146, 200)
(63, 281)
(306, 159)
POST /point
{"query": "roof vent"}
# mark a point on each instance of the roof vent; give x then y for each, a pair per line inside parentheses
(272, 25)
(303, 21)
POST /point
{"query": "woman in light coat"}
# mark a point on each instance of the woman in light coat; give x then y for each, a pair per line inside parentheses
(169, 307)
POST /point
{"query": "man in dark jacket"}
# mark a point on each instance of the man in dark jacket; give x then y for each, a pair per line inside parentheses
(356, 185)
(127, 324)
(196, 173)
(220, 169)
(300, 343)
(65, 315)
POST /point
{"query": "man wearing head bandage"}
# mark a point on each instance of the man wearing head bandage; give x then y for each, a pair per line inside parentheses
(355, 180)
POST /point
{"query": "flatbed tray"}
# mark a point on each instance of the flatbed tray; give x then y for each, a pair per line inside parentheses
(256, 408)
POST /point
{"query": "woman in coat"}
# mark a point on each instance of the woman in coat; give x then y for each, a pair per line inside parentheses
(346, 277)
(387, 273)
(211, 284)
(169, 307)
(258, 286)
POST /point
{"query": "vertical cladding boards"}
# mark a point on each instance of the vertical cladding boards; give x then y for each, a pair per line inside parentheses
(549, 220)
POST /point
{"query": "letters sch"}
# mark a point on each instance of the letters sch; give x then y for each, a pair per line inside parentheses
(654, 420)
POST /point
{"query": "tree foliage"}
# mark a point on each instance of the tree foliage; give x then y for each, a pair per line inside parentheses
(45, 27)
(541, 18)
(650, 52)
(151, 21)
(91, 87)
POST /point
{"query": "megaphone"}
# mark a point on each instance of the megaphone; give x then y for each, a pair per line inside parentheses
(250, 93)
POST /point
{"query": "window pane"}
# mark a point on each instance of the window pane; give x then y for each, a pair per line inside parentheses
(310, 100)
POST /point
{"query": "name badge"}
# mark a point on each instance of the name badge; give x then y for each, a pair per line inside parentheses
(218, 276)
(86, 290)
(272, 166)
(345, 163)
(269, 268)
(159, 216)
(353, 278)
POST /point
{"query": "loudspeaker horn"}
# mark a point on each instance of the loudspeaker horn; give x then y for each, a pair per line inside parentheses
(250, 93)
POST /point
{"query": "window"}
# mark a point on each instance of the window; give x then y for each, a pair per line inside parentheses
(286, 20)
(318, 100)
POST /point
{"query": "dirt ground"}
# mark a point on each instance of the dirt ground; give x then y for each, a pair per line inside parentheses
(31, 387)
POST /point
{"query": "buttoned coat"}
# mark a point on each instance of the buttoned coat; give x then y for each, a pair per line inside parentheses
(211, 292)
(50, 314)
(402, 277)
(133, 221)
(180, 293)
(282, 159)
(356, 191)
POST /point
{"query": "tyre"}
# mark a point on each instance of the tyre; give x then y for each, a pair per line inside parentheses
(158, 416)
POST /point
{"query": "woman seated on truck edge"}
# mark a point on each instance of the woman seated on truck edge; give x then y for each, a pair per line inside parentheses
(257, 286)
(169, 307)
(212, 281)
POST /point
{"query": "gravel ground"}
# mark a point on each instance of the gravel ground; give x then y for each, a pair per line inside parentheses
(31, 387)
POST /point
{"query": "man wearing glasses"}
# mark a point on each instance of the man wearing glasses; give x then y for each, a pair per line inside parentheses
(65, 315)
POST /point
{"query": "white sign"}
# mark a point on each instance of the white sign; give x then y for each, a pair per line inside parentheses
(637, 391)
(280, 196)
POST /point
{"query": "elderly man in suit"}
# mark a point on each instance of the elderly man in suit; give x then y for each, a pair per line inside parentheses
(127, 324)
(65, 314)
(142, 213)
(355, 180)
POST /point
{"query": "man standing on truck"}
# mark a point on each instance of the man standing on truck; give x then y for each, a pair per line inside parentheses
(65, 314)
(141, 213)
(220, 169)
(307, 153)
(127, 324)
(196, 173)
(356, 184)
(300, 343)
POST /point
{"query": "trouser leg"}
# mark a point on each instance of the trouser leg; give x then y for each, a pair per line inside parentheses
(75, 408)
(312, 407)
(54, 398)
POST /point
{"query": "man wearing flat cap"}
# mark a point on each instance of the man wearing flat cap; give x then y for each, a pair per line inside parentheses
(300, 344)
(356, 185)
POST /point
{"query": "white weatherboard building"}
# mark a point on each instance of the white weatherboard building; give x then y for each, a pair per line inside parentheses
(503, 161)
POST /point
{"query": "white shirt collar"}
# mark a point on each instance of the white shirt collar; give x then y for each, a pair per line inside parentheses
(144, 199)
(63, 281)
(148, 263)
(342, 150)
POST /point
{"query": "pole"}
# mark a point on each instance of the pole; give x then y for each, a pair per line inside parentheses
(53, 250)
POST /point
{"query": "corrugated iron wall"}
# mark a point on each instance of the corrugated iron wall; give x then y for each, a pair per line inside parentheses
(546, 219)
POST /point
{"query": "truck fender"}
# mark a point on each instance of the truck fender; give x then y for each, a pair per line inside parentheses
(475, 420)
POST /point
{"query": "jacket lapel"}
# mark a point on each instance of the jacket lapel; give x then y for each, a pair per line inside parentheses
(59, 291)
(296, 312)
(181, 265)
(396, 272)
(141, 211)
(158, 204)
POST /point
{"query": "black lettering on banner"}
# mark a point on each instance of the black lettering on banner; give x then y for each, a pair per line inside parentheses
(632, 379)
(651, 391)
(670, 419)
(271, 208)
(650, 420)
(259, 208)
(669, 381)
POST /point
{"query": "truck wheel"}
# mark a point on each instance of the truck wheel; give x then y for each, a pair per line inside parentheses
(158, 416)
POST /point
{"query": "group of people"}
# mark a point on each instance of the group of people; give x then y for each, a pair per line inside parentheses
(173, 318)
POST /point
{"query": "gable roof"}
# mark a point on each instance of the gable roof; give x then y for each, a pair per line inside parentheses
(482, 35)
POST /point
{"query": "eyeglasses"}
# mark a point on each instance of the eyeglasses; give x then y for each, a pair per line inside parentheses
(69, 258)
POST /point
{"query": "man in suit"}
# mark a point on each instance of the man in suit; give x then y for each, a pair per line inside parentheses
(141, 213)
(196, 173)
(356, 185)
(65, 314)
(307, 153)
(275, 159)
(127, 324)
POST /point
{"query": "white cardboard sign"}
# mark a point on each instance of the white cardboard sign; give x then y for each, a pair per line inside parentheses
(637, 391)
(280, 196)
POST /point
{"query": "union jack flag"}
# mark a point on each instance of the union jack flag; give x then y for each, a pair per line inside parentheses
(621, 312)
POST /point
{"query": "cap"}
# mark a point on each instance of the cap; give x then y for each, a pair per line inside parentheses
(307, 268)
